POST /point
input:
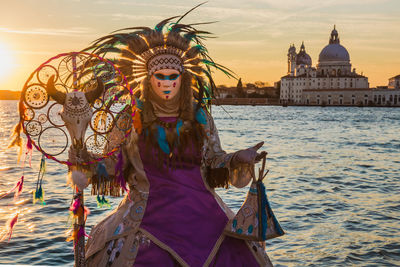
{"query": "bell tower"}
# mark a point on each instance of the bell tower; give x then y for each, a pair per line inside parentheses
(291, 60)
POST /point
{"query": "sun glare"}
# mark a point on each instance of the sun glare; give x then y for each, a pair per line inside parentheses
(6, 61)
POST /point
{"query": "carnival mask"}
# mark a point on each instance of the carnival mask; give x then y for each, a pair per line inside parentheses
(166, 83)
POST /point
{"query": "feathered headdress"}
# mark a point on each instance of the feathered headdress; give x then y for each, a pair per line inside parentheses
(140, 51)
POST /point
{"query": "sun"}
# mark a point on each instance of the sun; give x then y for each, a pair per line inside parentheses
(6, 61)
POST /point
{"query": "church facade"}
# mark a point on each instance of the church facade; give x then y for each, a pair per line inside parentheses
(332, 81)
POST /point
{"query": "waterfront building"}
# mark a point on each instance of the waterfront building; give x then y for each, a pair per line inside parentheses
(394, 82)
(332, 80)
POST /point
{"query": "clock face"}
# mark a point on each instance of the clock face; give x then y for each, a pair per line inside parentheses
(35, 96)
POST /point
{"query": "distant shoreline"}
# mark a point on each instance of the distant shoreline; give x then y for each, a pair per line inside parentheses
(10, 95)
(15, 95)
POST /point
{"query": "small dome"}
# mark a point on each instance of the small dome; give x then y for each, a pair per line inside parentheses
(334, 51)
(302, 57)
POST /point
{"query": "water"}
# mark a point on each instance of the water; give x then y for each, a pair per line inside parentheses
(334, 186)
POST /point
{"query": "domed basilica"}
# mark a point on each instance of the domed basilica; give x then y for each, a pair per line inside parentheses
(330, 81)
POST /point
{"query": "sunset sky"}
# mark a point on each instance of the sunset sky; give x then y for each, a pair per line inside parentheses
(253, 35)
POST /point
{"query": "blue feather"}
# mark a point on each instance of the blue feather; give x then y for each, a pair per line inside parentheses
(162, 139)
(201, 116)
(178, 126)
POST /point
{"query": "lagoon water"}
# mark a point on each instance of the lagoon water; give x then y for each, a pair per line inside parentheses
(334, 185)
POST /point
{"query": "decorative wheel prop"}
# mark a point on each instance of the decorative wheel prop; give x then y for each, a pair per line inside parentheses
(70, 92)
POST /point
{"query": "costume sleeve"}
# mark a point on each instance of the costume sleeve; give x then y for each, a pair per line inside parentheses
(220, 172)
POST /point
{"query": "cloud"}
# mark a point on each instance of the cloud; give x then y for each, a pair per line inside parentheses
(122, 16)
(49, 31)
(31, 52)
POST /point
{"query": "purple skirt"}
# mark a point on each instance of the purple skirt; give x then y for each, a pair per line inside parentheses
(185, 216)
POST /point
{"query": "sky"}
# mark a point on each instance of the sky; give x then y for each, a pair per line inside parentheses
(252, 36)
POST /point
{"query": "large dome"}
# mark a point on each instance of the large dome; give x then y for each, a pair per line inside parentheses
(334, 51)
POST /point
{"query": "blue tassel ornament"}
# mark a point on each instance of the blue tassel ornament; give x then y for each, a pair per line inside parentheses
(38, 195)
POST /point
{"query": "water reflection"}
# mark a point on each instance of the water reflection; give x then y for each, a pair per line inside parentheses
(333, 185)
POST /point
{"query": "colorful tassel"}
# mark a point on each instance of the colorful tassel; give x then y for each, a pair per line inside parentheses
(75, 208)
(103, 202)
(18, 186)
(76, 234)
(9, 228)
(29, 149)
(82, 232)
(38, 195)
(16, 137)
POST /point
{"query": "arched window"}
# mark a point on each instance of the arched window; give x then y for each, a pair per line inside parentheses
(333, 72)
(339, 72)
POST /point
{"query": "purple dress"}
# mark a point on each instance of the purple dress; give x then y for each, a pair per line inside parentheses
(184, 215)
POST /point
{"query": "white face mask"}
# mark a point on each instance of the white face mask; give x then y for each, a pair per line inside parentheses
(166, 83)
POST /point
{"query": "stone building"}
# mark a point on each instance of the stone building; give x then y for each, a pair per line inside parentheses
(303, 82)
(394, 82)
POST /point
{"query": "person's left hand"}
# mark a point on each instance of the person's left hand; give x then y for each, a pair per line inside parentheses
(249, 155)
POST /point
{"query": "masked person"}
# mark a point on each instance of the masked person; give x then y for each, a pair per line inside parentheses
(172, 160)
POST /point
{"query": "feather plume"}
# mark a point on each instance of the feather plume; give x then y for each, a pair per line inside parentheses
(160, 26)
(9, 228)
(78, 179)
(17, 188)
